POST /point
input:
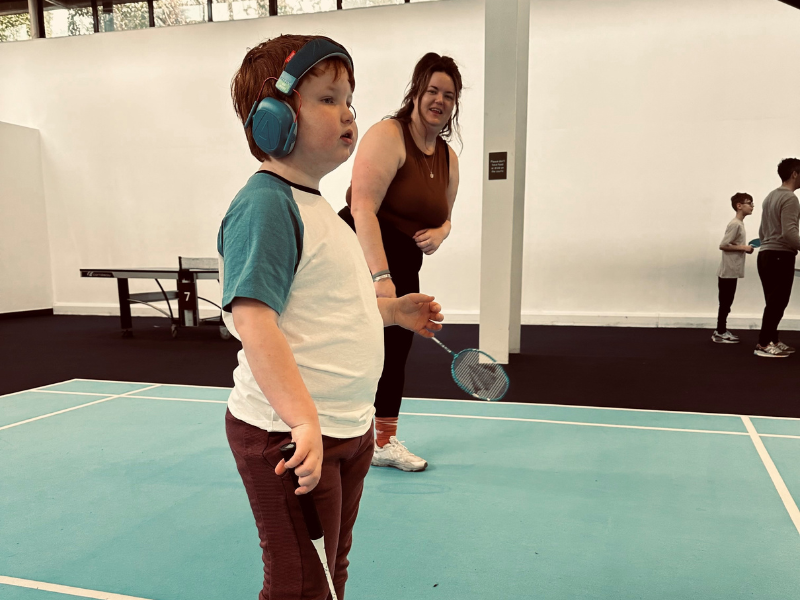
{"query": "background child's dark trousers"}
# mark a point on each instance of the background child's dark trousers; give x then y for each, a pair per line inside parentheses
(776, 270)
(291, 566)
(727, 290)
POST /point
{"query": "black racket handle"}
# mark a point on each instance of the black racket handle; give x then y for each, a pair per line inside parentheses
(310, 514)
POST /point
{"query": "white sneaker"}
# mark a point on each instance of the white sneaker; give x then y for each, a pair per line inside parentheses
(395, 454)
(784, 348)
(771, 351)
(724, 338)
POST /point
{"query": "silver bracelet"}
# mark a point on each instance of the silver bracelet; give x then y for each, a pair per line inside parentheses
(380, 275)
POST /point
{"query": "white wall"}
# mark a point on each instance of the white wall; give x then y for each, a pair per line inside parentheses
(25, 276)
(645, 116)
(142, 151)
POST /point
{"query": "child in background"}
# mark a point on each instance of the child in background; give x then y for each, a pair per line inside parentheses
(731, 267)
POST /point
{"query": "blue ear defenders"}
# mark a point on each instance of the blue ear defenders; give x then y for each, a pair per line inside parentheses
(272, 121)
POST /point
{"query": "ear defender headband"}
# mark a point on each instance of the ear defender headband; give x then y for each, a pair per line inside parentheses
(272, 121)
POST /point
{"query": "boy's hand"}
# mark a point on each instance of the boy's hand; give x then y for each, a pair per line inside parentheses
(307, 459)
(418, 313)
(749, 249)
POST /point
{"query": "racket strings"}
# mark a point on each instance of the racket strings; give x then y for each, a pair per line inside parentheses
(485, 380)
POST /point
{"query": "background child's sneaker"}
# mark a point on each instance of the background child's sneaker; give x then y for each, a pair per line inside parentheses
(771, 351)
(395, 454)
(784, 348)
(724, 338)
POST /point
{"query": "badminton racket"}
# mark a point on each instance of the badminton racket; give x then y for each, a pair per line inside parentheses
(311, 517)
(477, 373)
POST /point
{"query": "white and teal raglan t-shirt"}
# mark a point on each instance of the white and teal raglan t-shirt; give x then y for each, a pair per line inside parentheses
(283, 244)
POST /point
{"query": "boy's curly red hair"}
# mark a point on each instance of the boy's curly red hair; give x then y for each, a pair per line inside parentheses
(267, 60)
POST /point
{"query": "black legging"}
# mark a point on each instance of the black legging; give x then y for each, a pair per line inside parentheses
(727, 290)
(405, 261)
(776, 270)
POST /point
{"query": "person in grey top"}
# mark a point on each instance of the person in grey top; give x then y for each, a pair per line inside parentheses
(780, 241)
(731, 267)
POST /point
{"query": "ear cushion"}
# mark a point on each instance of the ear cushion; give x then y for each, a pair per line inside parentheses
(291, 139)
(273, 125)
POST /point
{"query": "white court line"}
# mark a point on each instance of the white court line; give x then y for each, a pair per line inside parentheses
(776, 435)
(552, 421)
(37, 389)
(182, 399)
(643, 410)
(64, 589)
(495, 418)
(777, 480)
(576, 423)
(780, 435)
(58, 412)
(63, 392)
(213, 387)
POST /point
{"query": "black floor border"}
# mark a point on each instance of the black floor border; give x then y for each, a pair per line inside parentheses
(42, 312)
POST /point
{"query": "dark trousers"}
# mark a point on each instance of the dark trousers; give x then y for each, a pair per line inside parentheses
(776, 270)
(727, 290)
(291, 565)
(405, 261)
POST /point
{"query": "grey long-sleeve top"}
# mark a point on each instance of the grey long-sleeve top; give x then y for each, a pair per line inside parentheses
(780, 213)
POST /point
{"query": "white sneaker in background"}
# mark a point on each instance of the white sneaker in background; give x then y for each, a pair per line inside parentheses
(724, 338)
(771, 351)
(395, 454)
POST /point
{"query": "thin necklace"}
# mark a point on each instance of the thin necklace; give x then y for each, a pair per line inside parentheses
(425, 158)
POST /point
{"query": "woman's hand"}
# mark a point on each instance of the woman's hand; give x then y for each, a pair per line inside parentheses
(429, 240)
(385, 288)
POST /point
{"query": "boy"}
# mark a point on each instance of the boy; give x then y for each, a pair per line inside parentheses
(298, 294)
(776, 257)
(731, 267)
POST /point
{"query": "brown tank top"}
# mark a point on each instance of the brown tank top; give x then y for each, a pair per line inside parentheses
(414, 199)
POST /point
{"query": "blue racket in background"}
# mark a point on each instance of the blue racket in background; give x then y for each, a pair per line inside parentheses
(478, 374)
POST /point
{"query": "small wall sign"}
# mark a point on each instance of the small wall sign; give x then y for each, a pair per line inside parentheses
(497, 165)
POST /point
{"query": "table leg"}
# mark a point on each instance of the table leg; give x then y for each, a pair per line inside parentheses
(124, 308)
(187, 299)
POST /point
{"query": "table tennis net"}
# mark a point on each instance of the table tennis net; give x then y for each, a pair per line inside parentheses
(185, 262)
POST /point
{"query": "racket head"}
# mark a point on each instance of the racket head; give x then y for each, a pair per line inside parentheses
(754, 243)
(479, 375)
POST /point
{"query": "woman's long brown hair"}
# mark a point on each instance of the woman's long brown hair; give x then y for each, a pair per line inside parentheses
(428, 65)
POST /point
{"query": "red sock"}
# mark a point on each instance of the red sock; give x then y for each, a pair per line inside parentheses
(384, 429)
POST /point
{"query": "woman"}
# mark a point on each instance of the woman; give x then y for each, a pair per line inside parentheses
(405, 179)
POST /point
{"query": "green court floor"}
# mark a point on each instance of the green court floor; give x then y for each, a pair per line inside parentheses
(115, 490)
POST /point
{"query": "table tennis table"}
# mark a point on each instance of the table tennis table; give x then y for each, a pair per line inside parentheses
(187, 274)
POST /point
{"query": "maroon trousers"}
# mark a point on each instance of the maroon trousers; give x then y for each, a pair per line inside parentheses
(292, 570)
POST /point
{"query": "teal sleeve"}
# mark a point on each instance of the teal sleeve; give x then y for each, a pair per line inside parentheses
(260, 241)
